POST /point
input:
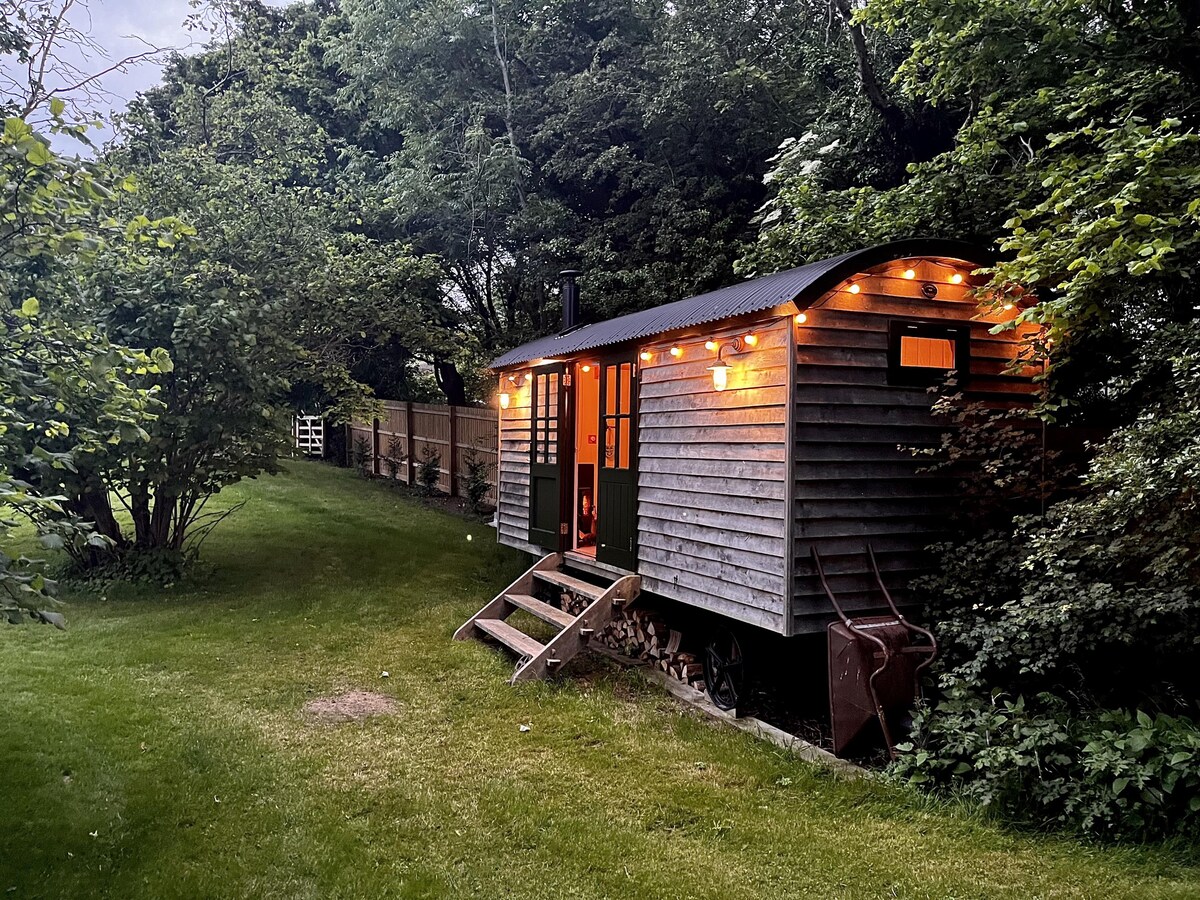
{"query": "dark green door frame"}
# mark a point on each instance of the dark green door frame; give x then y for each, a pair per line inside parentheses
(616, 475)
(550, 451)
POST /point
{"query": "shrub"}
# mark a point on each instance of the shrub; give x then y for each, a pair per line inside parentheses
(395, 456)
(429, 470)
(476, 482)
(1086, 612)
(1109, 773)
(363, 456)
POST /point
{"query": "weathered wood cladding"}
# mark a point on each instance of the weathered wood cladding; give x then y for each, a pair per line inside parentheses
(512, 470)
(853, 482)
(712, 473)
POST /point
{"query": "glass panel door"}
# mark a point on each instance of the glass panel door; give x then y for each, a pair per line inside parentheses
(616, 483)
(547, 406)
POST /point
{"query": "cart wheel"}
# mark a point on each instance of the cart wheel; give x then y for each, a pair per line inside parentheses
(723, 669)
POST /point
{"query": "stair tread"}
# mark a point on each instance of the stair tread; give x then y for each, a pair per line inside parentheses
(543, 611)
(570, 582)
(510, 637)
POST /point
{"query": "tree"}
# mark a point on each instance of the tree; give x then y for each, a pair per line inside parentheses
(67, 394)
(625, 140)
(1078, 159)
(34, 35)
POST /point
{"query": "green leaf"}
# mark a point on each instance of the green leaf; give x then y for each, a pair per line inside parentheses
(31, 307)
(57, 106)
(38, 154)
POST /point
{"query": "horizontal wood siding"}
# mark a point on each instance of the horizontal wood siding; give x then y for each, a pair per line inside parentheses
(513, 468)
(712, 467)
(853, 483)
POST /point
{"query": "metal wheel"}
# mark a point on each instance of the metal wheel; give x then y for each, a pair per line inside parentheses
(724, 671)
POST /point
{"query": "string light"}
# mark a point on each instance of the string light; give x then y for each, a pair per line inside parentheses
(587, 368)
(751, 340)
(801, 318)
(910, 274)
(854, 288)
(710, 345)
(956, 278)
(677, 352)
(647, 356)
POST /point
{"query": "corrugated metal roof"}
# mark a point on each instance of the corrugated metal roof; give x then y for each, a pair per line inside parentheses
(754, 295)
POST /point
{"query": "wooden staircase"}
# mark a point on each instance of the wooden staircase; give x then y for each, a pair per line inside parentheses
(538, 660)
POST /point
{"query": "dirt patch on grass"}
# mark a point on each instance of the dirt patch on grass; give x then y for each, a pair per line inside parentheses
(350, 706)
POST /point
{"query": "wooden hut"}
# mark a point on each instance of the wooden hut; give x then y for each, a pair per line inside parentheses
(700, 449)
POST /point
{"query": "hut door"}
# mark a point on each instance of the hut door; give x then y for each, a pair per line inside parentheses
(616, 479)
(548, 415)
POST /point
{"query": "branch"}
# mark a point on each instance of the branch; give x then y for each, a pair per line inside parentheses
(884, 105)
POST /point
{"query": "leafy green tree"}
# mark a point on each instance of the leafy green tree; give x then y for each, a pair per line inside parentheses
(67, 394)
(626, 140)
(1077, 158)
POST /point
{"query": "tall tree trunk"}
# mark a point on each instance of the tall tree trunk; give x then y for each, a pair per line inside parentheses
(502, 58)
(892, 114)
(450, 380)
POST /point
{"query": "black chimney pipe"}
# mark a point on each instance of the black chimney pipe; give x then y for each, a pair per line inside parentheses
(570, 298)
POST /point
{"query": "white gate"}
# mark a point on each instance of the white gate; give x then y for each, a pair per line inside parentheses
(309, 433)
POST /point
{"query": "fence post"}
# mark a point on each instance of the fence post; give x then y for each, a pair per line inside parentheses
(453, 451)
(375, 446)
(412, 441)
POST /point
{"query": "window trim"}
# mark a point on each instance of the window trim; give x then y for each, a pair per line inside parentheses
(958, 333)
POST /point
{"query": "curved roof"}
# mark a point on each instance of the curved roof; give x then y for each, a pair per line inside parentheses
(754, 295)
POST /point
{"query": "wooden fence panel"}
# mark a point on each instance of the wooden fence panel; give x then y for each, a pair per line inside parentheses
(398, 441)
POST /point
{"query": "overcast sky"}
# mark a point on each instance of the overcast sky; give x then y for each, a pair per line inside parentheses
(124, 28)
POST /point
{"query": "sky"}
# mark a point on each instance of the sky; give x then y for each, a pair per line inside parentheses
(124, 28)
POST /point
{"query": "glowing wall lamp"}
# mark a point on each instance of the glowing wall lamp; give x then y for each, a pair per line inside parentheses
(720, 368)
(505, 399)
(720, 372)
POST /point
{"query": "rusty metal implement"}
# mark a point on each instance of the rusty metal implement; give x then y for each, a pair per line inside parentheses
(875, 664)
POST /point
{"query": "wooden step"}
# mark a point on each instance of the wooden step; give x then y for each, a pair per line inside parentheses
(543, 611)
(571, 583)
(510, 637)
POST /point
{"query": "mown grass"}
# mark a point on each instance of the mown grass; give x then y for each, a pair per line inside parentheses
(157, 749)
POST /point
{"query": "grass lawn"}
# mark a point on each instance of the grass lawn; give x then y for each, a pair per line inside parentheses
(158, 749)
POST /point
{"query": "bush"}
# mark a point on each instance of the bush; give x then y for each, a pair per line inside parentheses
(1086, 612)
(476, 483)
(395, 456)
(429, 470)
(1110, 774)
(363, 456)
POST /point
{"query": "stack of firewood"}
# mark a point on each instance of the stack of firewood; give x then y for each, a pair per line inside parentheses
(642, 634)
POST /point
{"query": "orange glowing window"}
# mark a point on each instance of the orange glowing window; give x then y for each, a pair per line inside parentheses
(921, 353)
(926, 352)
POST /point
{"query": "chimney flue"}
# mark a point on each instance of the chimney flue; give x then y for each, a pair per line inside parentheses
(570, 298)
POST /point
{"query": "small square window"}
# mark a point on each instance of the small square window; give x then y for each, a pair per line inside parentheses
(921, 353)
